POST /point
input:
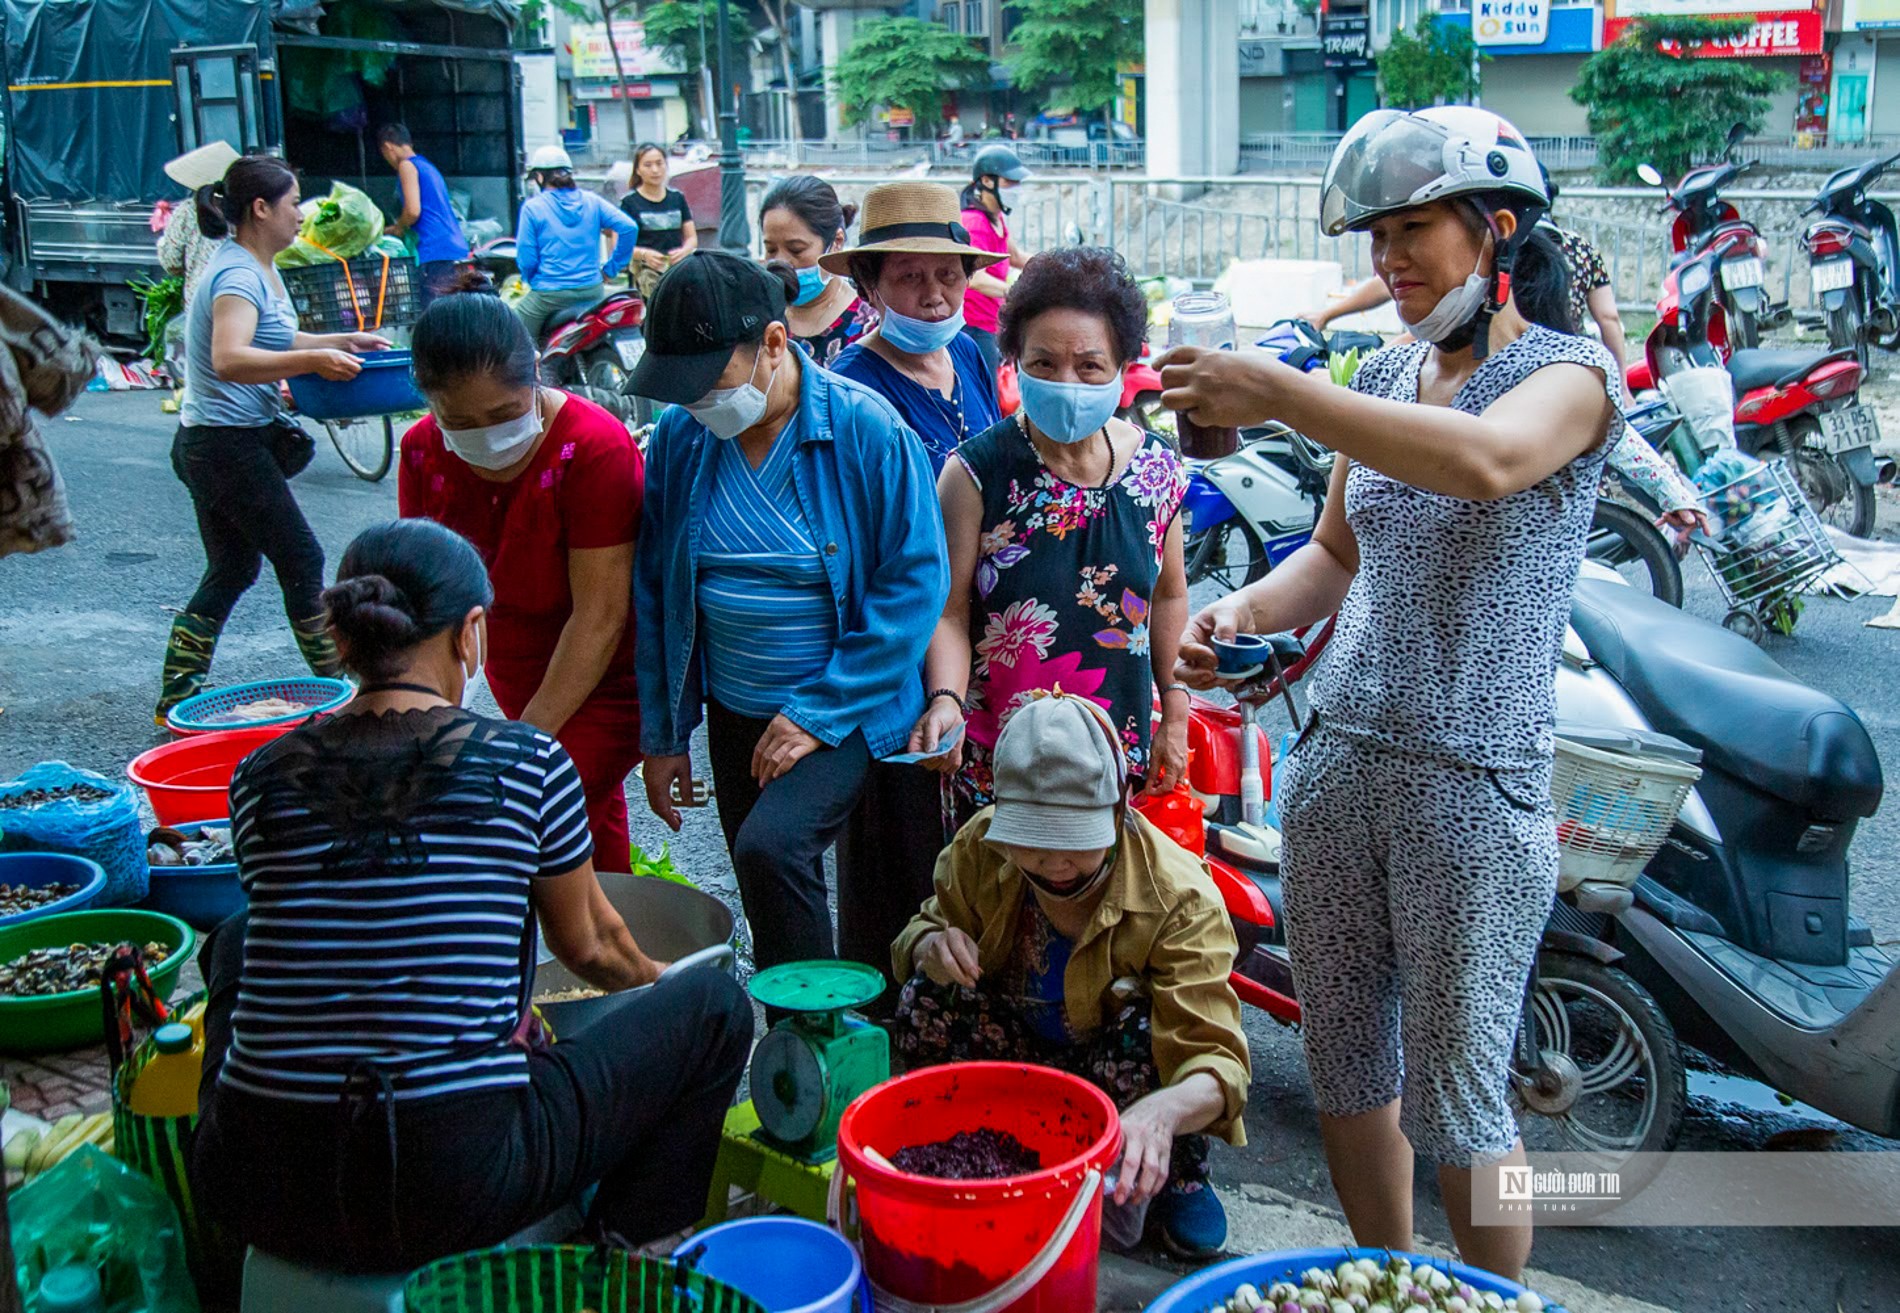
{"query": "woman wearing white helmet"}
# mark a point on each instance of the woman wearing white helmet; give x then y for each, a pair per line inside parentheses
(1420, 854)
(557, 241)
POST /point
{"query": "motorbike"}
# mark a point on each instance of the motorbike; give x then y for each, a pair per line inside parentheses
(1736, 939)
(1801, 404)
(589, 350)
(1854, 261)
(1705, 222)
(1249, 511)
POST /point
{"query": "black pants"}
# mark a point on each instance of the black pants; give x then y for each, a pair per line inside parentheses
(986, 343)
(777, 837)
(892, 839)
(246, 513)
(635, 1103)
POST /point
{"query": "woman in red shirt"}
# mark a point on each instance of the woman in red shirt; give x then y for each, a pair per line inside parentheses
(994, 170)
(548, 488)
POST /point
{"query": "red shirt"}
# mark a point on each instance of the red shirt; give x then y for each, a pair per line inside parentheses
(582, 490)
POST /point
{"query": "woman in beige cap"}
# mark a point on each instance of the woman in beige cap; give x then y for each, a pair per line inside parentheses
(1067, 930)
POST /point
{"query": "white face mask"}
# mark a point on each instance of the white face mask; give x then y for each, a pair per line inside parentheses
(469, 675)
(728, 412)
(1457, 307)
(496, 446)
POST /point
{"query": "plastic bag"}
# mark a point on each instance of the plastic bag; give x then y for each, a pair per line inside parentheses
(343, 225)
(95, 1211)
(106, 830)
(1705, 398)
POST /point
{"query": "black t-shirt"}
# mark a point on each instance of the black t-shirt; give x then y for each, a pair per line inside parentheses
(662, 223)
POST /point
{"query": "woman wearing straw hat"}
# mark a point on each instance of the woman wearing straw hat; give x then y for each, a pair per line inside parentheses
(913, 262)
(183, 249)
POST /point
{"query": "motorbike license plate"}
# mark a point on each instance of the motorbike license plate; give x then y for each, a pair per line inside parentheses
(1742, 273)
(1832, 275)
(1849, 428)
(630, 349)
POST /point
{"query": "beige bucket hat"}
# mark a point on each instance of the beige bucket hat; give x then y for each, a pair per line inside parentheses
(202, 167)
(907, 216)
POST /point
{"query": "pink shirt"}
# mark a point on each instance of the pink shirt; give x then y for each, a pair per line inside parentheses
(988, 232)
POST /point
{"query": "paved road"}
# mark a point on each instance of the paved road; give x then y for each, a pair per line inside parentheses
(82, 630)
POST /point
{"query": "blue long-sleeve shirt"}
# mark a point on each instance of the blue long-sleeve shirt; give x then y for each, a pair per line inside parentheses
(557, 239)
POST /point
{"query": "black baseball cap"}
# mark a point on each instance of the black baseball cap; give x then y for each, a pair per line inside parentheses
(706, 305)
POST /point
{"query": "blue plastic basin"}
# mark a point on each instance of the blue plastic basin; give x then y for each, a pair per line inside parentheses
(383, 388)
(200, 896)
(1204, 1289)
(39, 869)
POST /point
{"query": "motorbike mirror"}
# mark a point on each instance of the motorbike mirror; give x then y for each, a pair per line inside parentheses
(1648, 173)
(1735, 135)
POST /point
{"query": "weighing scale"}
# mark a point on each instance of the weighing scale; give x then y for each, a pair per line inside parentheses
(812, 1064)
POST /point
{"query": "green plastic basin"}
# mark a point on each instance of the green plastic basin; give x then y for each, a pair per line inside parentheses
(44, 1023)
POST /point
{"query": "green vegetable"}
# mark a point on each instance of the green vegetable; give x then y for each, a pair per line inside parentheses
(1342, 368)
(661, 866)
(163, 298)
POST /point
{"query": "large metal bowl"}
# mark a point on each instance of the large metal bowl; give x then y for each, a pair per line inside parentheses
(673, 922)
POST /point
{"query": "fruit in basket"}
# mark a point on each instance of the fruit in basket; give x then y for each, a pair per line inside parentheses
(1366, 1286)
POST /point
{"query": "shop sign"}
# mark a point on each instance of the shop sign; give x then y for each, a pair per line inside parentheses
(594, 58)
(642, 90)
(1679, 8)
(1510, 22)
(1346, 40)
(1871, 15)
(899, 118)
(1773, 35)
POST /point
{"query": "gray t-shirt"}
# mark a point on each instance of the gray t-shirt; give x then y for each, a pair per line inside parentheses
(210, 400)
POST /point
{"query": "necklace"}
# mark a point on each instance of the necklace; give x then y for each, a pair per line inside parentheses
(951, 406)
(1108, 476)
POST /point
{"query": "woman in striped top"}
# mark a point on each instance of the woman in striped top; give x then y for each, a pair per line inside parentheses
(397, 857)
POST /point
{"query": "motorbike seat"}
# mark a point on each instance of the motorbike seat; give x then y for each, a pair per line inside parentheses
(566, 315)
(1755, 368)
(1719, 692)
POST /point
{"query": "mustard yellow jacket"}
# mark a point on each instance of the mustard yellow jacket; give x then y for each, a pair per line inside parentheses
(1161, 922)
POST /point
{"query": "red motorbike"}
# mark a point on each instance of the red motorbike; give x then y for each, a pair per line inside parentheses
(1801, 404)
(589, 350)
(1705, 222)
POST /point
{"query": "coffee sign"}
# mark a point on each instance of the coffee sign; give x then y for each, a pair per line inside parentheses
(1796, 32)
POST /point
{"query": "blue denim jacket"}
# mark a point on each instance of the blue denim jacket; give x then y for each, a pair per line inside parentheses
(864, 483)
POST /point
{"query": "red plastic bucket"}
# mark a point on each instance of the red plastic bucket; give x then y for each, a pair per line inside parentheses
(928, 1241)
(189, 779)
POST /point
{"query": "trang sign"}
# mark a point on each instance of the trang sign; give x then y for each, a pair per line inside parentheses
(1773, 34)
(1510, 22)
(1346, 40)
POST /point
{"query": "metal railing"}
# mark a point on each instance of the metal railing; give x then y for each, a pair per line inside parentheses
(1309, 151)
(818, 156)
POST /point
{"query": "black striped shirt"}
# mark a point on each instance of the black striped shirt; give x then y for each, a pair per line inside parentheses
(387, 860)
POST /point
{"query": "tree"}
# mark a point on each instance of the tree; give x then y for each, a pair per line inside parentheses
(606, 11)
(1650, 104)
(778, 14)
(676, 28)
(1078, 44)
(1430, 65)
(904, 63)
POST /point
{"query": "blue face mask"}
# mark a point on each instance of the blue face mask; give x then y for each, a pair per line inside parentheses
(916, 336)
(811, 285)
(1068, 412)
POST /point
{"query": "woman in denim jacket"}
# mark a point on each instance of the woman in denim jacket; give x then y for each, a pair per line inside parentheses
(790, 570)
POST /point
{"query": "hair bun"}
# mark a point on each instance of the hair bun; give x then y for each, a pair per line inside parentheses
(371, 614)
(850, 213)
(787, 278)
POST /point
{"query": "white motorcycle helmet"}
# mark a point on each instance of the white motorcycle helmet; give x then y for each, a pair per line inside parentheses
(549, 159)
(1392, 160)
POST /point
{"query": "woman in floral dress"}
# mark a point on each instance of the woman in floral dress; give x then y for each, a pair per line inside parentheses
(1065, 548)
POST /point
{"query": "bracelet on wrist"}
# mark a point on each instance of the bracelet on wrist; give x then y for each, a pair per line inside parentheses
(1171, 688)
(954, 696)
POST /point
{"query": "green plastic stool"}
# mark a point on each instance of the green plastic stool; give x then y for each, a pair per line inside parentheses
(800, 1188)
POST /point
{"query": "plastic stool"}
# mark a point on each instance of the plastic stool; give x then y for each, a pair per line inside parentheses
(277, 1285)
(798, 1187)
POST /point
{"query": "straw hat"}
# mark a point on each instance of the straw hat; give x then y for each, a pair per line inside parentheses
(202, 167)
(907, 216)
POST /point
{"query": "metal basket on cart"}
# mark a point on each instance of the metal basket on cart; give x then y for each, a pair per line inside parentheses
(370, 293)
(1771, 547)
(1616, 794)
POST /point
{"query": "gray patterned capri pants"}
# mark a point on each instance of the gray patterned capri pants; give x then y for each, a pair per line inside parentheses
(1416, 889)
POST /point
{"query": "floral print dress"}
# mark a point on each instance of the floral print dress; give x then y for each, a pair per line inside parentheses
(1064, 578)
